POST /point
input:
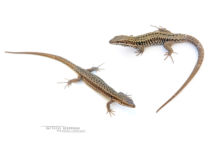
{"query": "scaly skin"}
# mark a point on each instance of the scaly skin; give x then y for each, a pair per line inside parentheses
(162, 37)
(92, 80)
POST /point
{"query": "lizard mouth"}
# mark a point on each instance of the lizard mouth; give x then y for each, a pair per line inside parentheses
(117, 43)
(133, 106)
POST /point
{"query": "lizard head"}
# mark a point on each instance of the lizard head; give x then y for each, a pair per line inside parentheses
(123, 40)
(126, 100)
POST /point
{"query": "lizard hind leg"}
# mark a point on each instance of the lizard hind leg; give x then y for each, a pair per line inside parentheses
(69, 82)
(167, 46)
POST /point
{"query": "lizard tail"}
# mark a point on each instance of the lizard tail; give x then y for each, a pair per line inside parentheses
(58, 58)
(200, 49)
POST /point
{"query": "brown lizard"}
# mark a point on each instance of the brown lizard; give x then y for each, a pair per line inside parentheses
(92, 80)
(166, 38)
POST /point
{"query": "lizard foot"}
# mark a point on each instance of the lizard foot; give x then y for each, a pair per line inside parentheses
(97, 68)
(111, 112)
(160, 28)
(139, 52)
(169, 54)
(69, 82)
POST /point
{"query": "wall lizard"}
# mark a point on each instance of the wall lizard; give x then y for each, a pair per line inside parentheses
(164, 37)
(92, 80)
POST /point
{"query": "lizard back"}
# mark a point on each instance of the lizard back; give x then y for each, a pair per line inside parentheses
(157, 38)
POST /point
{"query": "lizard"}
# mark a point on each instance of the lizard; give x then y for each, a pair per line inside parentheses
(164, 37)
(91, 80)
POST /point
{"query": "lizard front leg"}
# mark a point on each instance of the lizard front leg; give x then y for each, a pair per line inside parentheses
(139, 51)
(161, 29)
(109, 110)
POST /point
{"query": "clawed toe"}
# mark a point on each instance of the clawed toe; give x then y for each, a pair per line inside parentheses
(98, 67)
(68, 83)
(139, 52)
(169, 54)
(111, 112)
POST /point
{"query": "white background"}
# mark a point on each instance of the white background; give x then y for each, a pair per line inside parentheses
(79, 31)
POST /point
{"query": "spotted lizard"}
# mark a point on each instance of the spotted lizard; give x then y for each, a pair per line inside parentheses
(92, 80)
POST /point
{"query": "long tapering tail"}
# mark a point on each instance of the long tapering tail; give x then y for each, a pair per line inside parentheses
(55, 57)
(200, 49)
